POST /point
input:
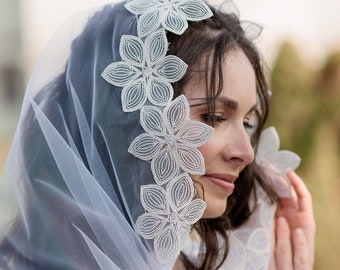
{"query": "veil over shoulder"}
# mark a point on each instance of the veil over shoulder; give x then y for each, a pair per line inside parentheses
(75, 185)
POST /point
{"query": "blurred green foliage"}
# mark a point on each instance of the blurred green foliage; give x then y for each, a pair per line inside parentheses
(306, 112)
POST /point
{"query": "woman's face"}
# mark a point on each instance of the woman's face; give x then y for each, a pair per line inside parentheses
(229, 150)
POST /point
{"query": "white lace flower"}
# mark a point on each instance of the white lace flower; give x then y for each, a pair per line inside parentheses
(170, 214)
(171, 14)
(276, 163)
(145, 72)
(171, 140)
(251, 30)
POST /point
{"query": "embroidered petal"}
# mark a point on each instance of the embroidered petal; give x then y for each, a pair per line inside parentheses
(172, 68)
(195, 10)
(164, 166)
(167, 245)
(151, 120)
(266, 213)
(276, 163)
(251, 30)
(286, 161)
(160, 92)
(194, 211)
(184, 232)
(134, 96)
(154, 199)
(180, 191)
(190, 160)
(269, 144)
(281, 185)
(259, 240)
(145, 146)
(139, 6)
(257, 262)
(148, 22)
(120, 73)
(149, 225)
(175, 23)
(237, 256)
(194, 133)
(131, 50)
(177, 113)
(228, 6)
(157, 45)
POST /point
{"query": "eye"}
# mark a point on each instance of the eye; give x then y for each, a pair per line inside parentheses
(250, 124)
(212, 118)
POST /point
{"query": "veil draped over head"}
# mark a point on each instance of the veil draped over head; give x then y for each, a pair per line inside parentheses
(100, 162)
(82, 180)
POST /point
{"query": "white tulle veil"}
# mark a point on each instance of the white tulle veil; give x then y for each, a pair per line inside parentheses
(100, 162)
(80, 167)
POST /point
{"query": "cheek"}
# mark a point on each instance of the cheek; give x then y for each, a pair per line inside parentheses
(209, 150)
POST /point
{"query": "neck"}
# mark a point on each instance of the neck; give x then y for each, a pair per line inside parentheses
(178, 265)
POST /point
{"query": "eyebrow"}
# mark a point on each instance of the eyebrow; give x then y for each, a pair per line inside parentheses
(228, 102)
(232, 104)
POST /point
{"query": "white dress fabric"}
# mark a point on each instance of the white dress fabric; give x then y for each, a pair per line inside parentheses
(249, 244)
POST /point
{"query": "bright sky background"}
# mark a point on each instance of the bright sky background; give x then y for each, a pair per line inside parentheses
(314, 25)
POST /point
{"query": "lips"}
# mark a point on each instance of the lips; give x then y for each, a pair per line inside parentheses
(223, 181)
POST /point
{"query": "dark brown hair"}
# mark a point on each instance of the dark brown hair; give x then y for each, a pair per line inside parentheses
(206, 43)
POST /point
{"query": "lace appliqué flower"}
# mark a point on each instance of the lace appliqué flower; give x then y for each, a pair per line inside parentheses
(145, 72)
(276, 163)
(251, 30)
(172, 15)
(170, 214)
(171, 140)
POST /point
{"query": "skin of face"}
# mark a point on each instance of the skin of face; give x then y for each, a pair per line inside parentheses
(229, 149)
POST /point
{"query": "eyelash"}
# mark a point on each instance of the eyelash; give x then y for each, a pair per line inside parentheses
(213, 118)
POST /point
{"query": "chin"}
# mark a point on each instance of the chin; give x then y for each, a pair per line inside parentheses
(214, 210)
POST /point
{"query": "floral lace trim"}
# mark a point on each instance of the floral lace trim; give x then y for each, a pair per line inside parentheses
(276, 163)
(170, 214)
(172, 15)
(170, 140)
(145, 72)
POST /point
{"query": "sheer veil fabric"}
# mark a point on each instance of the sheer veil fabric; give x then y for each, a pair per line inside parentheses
(100, 162)
(75, 184)
(80, 185)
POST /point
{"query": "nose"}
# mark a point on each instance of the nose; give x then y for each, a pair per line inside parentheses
(238, 149)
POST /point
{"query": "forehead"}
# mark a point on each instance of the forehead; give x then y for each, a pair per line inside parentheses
(239, 80)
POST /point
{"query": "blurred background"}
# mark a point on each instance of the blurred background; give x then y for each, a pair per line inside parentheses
(301, 46)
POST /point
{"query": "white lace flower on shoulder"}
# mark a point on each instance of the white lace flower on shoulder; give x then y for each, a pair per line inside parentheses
(170, 214)
(171, 14)
(171, 140)
(276, 163)
(145, 72)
